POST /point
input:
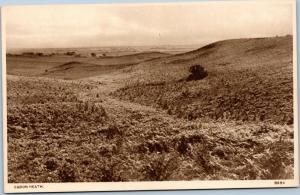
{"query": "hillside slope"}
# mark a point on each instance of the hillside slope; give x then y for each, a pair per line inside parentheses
(248, 80)
(83, 135)
(235, 124)
(232, 54)
(237, 51)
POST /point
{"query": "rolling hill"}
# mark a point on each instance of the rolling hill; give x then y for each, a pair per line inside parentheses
(248, 79)
(145, 122)
(72, 67)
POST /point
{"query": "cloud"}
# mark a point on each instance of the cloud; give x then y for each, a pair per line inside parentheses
(139, 24)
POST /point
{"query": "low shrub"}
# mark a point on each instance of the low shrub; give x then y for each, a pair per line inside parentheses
(197, 72)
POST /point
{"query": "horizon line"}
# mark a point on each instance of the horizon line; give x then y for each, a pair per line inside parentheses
(158, 45)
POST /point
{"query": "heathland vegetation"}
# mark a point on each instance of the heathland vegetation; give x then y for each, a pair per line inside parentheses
(224, 111)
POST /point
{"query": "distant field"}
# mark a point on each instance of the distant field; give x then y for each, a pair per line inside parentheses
(137, 118)
(72, 67)
(112, 51)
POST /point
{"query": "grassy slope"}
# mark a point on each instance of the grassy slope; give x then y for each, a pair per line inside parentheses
(75, 131)
(248, 79)
(72, 132)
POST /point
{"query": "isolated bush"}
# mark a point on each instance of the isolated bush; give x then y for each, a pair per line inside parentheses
(197, 73)
(70, 53)
(39, 54)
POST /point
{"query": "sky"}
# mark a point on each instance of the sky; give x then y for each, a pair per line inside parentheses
(98, 25)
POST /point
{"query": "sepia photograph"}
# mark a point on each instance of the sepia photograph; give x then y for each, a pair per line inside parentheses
(149, 96)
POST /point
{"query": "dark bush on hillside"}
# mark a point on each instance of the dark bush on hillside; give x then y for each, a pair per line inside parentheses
(197, 73)
(70, 53)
